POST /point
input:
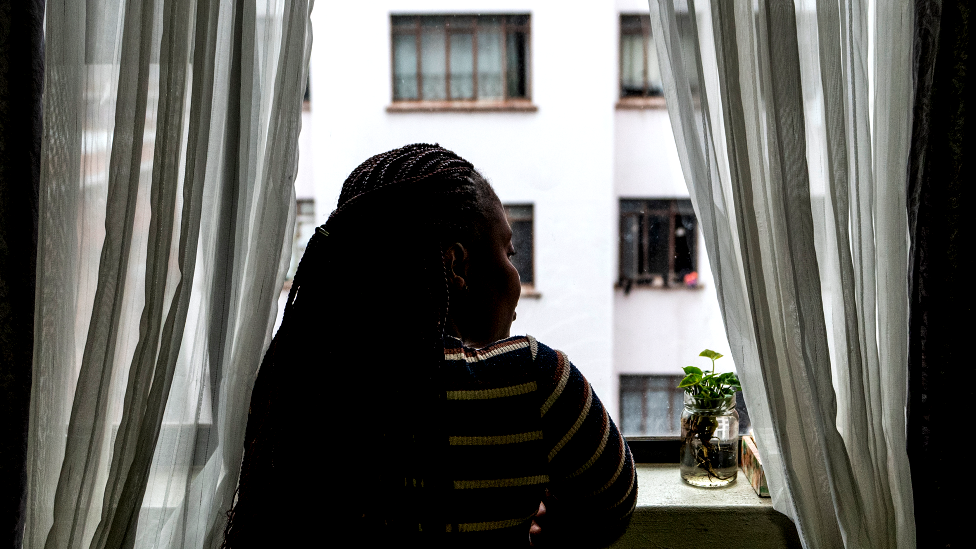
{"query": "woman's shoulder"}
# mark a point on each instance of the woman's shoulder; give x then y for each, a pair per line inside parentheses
(516, 357)
(520, 347)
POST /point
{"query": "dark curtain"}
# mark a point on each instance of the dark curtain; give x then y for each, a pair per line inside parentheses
(21, 77)
(941, 383)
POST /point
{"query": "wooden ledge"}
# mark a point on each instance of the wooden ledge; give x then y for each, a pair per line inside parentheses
(641, 103)
(462, 106)
(530, 292)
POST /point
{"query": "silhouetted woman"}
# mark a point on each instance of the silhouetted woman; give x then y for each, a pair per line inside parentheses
(393, 408)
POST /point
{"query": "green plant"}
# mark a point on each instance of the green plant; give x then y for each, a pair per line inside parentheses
(710, 391)
(711, 386)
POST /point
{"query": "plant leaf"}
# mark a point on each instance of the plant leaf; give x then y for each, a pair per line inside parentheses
(711, 354)
(690, 380)
(727, 378)
(692, 370)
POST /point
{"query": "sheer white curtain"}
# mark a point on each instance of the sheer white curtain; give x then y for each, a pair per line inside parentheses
(792, 121)
(169, 156)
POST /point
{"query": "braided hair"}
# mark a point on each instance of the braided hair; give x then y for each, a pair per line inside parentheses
(358, 351)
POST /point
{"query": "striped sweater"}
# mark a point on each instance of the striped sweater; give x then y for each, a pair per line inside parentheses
(522, 419)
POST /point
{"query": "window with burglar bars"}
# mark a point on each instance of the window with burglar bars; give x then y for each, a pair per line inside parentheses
(650, 405)
(658, 243)
(640, 75)
(520, 219)
(460, 57)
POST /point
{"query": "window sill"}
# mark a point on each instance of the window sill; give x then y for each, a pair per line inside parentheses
(462, 106)
(530, 292)
(672, 514)
(641, 103)
(673, 287)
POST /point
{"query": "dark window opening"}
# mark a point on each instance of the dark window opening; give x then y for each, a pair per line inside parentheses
(520, 217)
(658, 243)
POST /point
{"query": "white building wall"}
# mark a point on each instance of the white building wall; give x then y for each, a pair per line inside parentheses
(659, 330)
(572, 159)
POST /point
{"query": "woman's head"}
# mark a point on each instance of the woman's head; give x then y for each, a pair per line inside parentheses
(425, 241)
(483, 282)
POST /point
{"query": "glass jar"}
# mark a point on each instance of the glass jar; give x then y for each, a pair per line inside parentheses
(710, 441)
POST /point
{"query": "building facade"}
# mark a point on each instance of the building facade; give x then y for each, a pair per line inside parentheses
(560, 109)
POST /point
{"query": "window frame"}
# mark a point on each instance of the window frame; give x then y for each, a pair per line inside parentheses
(672, 390)
(669, 278)
(646, 100)
(505, 104)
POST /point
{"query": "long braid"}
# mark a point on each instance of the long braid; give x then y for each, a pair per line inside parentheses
(258, 464)
(450, 199)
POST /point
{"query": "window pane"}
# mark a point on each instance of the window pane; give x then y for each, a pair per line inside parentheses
(657, 244)
(631, 206)
(659, 205)
(489, 62)
(520, 219)
(684, 244)
(404, 66)
(658, 420)
(630, 406)
(677, 405)
(462, 66)
(459, 23)
(650, 405)
(631, 24)
(628, 247)
(518, 213)
(631, 65)
(522, 241)
(404, 22)
(516, 64)
(433, 60)
(641, 244)
(655, 86)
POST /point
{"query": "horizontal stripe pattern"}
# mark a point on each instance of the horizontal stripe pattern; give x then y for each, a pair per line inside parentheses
(479, 355)
(521, 419)
(501, 392)
(493, 525)
(496, 439)
(500, 482)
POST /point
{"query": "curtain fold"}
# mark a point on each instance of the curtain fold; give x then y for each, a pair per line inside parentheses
(167, 200)
(792, 122)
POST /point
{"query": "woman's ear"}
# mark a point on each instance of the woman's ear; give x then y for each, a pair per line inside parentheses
(457, 261)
